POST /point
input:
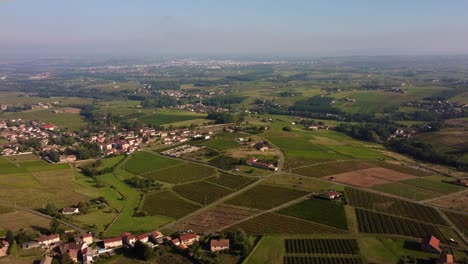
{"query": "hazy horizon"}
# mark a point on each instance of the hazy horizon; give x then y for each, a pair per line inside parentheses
(285, 28)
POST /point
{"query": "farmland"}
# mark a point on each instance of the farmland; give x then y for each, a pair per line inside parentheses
(406, 191)
(320, 211)
(271, 223)
(373, 222)
(182, 173)
(322, 260)
(434, 185)
(224, 141)
(460, 220)
(162, 118)
(326, 169)
(143, 162)
(224, 162)
(231, 181)
(394, 206)
(265, 197)
(202, 192)
(167, 203)
(321, 246)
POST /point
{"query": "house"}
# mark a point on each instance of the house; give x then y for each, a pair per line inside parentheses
(219, 245)
(129, 238)
(189, 239)
(331, 195)
(446, 259)
(4, 249)
(30, 245)
(157, 237)
(48, 240)
(67, 158)
(261, 146)
(50, 127)
(75, 250)
(70, 211)
(143, 238)
(87, 238)
(113, 242)
(254, 163)
(175, 241)
(431, 244)
(313, 128)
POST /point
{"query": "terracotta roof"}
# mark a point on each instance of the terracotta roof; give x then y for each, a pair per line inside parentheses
(47, 238)
(433, 242)
(69, 209)
(142, 236)
(219, 243)
(112, 239)
(446, 258)
(156, 234)
(187, 237)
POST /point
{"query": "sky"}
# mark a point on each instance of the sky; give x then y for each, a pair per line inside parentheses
(235, 27)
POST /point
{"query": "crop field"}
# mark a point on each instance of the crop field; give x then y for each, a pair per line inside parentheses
(460, 220)
(406, 191)
(202, 192)
(356, 152)
(319, 210)
(265, 197)
(331, 168)
(167, 118)
(234, 182)
(297, 182)
(373, 222)
(400, 168)
(182, 173)
(142, 162)
(271, 223)
(321, 260)
(321, 246)
(214, 219)
(22, 157)
(434, 185)
(4, 210)
(22, 219)
(224, 162)
(6, 166)
(224, 141)
(372, 201)
(40, 165)
(167, 203)
(368, 177)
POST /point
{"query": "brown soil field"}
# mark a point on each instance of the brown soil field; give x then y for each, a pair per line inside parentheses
(22, 219)
(215, 219)
(456, 202)
(368, 177)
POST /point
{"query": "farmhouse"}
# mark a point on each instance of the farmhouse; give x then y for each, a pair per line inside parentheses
(446, 259)
(331, 195)
(129, 239)
(157, 237)
(113, 242)
(431, 244)
(143, 238)
(47, 240)
(87, 238)
(189, 239)
(70, 211)
(261, 146)
(4, 249)
(50, 127)
(254, 163)
(219, 245)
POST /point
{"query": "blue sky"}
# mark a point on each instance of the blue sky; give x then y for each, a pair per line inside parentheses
(294, 27)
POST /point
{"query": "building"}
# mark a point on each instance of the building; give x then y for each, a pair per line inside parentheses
(446, 259)
(50, 127)
(113, 242)
(70, 211)
(431, 244)
(143, 238)
(157, 237)
(4, 248)
(67, 158)
(331, 195)
(129, 239)
(261, 146)
(219, 245)
(87, 238)
(189, 239)
(30, 245)
(267, 166)
(48, 240)
(462, 182)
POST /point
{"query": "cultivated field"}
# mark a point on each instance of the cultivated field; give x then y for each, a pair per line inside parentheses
(144, 162)
(321, 246)
(298, 182)
(182, 173)
(265, 197)
(321, 211)
(224, 162)
(322, 260)
(331, 168)
(202, 192)
(455, 202)
(167, 203)
(368, 177)
(214, 219)
(406, 191)
(22, 219)
(224, 141)
(460, 220)
(234, 182)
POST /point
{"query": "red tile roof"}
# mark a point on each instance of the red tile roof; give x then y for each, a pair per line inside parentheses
(112, 239)
(187, 237)
(47, 238)
(433, 242)
(219, 243)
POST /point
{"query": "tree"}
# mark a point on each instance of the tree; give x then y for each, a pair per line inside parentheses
(287, 129)
(13, 249)
(143, 251)
(9, 236)
(54, 225)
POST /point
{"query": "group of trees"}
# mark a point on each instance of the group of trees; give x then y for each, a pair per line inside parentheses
(160, 102)
(225, 118)
(224, 100)
(143, 183)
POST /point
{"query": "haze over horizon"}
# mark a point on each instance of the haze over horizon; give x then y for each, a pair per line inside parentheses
(298, 27)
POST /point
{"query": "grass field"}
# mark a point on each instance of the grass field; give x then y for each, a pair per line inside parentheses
(143, 162)
(224, 141)
(319, 210)
(182, 173)
(166, 203)
(162, 118)
(434, 185)
(22, 157)
(40, 165)
(265, 197)
(7, 166)
(400, 168)
(406, 191)
(271, 223)
(202, 192)
(326, 169)
(268, 250)
(234, 182)
(64, 119)
(22, 219)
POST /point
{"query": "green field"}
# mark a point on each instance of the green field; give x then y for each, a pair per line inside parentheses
(7, 166)
(202, 192)
(143, 162)
(434, 185)
(320, 211)
(224, 162)
(401, 168)
(233, 182)
(406, 191)
(271, 223)
(265, 197)
(167, 203)
(321, 170)
(162, 118)
(40, 165)
(224, 141)
(182, 173)
(71, 120)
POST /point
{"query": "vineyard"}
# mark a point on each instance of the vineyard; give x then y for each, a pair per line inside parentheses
(321, 246)
(326, 169)
(368, 200)
(143, 162)
(224, 162)
(321, 260)
(460, 220)
(373, 222)
(202, 192)
(271, 223)
(181, 173)
(231, 181)
(168, 204)
(265, 197)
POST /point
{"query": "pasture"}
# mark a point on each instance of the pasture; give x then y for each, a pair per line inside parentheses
(321, 211)
(167, 203)
(182, 173)
(265, 197)
(202, 192)
(434, 185)
(143, 162)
